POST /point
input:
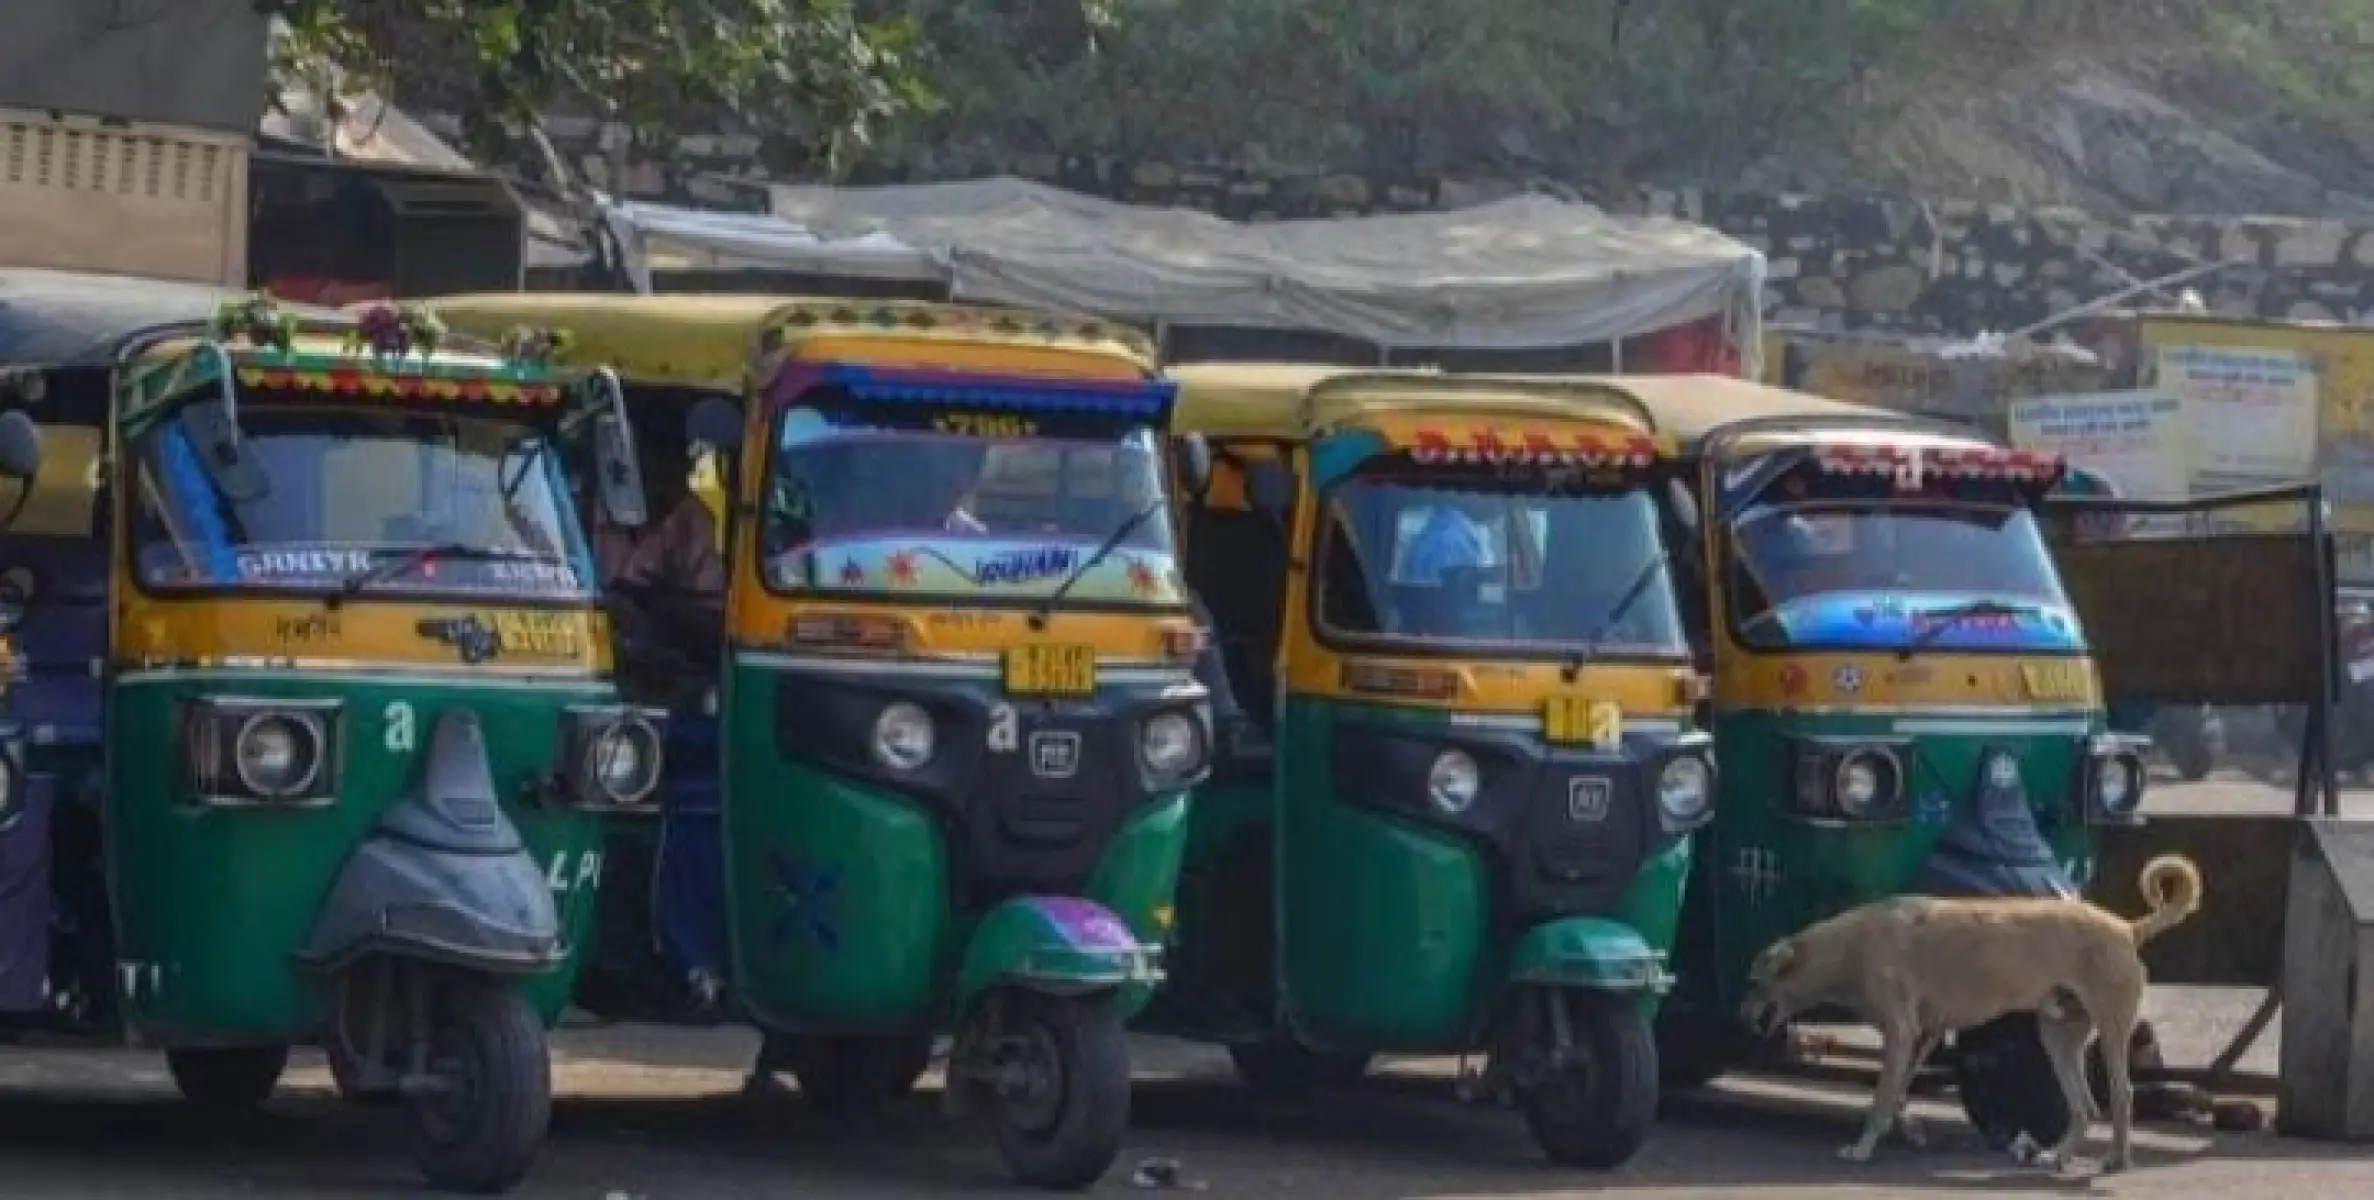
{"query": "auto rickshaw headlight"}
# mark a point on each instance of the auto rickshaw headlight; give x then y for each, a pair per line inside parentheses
(622, 762)
(1170, 744)
(278, 755)
(1866, 782)
(1685, 788)
(1453, 782)
(2118, 785)
(903, 736)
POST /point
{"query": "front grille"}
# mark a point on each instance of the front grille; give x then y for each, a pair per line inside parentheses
(1586, 829)
(1045, 820)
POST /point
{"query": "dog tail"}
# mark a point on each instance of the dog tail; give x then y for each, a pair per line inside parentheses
(2172, 889)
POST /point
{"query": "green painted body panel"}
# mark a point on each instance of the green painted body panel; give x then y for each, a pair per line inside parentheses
(211, 904)
(865, 933)
(1385, 933)
(1586, 952)
(1016, 943)
(1767, 874)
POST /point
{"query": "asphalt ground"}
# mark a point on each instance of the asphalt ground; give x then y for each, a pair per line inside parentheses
(655, 1114)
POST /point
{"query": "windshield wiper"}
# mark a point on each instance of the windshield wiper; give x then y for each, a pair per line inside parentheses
(1112, 542)
(1639, 587)
(1947, 618)
(413, 560)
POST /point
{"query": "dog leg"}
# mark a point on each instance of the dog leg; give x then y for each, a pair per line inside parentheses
(2117, 1029)
(1887, 1099)
(1907, 1126)
(2064, 1035)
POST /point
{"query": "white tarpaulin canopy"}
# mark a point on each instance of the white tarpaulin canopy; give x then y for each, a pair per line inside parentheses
(1521, 273)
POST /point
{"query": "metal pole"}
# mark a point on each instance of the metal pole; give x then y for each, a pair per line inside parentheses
(2091, 307)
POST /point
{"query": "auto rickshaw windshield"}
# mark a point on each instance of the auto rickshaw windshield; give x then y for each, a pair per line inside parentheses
(1798, 569)
(1447, 567)
(351, 494)
(853, 508)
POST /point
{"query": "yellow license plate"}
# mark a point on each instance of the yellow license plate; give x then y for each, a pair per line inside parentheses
(2054, 681)
(535, 634)
(1577, 721)
(1051, 670)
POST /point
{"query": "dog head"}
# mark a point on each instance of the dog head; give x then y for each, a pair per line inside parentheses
(1777, 987)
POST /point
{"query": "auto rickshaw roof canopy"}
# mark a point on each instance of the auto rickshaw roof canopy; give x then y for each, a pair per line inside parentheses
(81, 319)
(1296, 400)
(713, 342)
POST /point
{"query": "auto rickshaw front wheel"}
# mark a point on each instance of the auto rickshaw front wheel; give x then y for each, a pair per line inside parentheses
(227, 1078)
(1057, 1073)
(1287, 1071)
(1590, 1095)
(483, 1118)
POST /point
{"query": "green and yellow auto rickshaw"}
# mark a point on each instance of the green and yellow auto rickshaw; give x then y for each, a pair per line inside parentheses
(316, 702)
(1464, 822)
(1903, 699)
(958, 718)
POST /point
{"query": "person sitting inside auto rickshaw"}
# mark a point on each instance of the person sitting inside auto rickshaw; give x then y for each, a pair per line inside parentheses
(666, 579)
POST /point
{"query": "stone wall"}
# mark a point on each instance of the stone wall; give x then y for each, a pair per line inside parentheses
(1907, 265)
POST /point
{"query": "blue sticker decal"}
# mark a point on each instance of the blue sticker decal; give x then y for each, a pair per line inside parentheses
(811, 897)
(1933, 808)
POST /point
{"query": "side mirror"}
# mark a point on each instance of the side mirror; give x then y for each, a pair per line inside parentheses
(1195, 465)
(1270, 486)
(20, 446)
(1684, 502)
(618, 475)
(214, 436)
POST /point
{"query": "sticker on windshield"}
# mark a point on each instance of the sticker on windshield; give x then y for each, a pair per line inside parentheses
(278, 565)
(1001, 425)
(1025, 566)
(530, 573)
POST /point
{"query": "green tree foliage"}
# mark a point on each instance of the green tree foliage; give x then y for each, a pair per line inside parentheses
(820, 73)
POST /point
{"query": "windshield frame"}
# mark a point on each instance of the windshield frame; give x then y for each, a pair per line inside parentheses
(1113, 437)
(406, 587)
(1518, 482)
(1735, 623)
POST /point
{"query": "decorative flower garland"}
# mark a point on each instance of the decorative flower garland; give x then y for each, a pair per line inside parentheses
(393, 331)
(536, 346)
(255, 320)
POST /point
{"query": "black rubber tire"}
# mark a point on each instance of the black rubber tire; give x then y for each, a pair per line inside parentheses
(483, 1138)
(1597, 1113)
(1072, 1144)
(1286, 1071)
(2007, 1085)
(227, 1078)
(855, 1073)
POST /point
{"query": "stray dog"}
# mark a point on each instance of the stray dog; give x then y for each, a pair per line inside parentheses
(1921, 967)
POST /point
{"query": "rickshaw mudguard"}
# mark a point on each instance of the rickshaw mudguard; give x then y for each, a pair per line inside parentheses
(1588, 952)
(1061, 945)
(444, 876)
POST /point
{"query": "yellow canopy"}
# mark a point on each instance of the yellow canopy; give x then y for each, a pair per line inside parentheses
(1281, 400)
(711, 342)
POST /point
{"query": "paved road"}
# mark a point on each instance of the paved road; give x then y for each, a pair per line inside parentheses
(652, 1115)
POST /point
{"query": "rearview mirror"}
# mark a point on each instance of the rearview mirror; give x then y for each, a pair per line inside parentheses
(20, 446)
(1684, 502)
(214, 437)
(1195, 465)
(618, 475)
